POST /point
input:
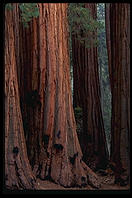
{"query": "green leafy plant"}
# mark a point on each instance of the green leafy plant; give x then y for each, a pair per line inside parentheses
(82, 24)
(78, 112)
(28, 11)
(8, 6)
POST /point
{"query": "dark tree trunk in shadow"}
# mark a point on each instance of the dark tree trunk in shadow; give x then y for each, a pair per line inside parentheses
(118, 43)
(87, 96)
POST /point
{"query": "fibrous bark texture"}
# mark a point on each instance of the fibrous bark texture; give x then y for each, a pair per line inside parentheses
(87, 96)
(64, 157)
(18, 173)
(118, 43)
(45, 95)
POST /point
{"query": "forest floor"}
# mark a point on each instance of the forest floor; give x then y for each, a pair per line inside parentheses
(107, 180)
(107, 183)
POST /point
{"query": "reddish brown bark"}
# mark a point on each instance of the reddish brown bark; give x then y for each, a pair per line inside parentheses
(118, 42)
(32, 61)
(64, 153)
(86, 80)
(18, 173)
(44, 83)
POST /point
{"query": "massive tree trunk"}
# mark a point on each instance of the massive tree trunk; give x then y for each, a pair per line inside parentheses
(86, 80)
(118, 42)
(63, 162)
(18, 173)
(31, 75)
(45, 93)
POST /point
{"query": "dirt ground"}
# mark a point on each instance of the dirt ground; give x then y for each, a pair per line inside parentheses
(107, 183)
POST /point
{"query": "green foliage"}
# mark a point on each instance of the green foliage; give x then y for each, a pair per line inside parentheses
(28, 11)
(8, 6)
(79, 120)
(78, 112)
(82, 24)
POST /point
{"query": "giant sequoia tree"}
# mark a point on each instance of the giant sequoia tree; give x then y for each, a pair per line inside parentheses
(118, 43)
(18, 173)
(87, 96)
(38, 99)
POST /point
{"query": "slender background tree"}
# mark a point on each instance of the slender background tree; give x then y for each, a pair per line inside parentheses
(104, 73)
